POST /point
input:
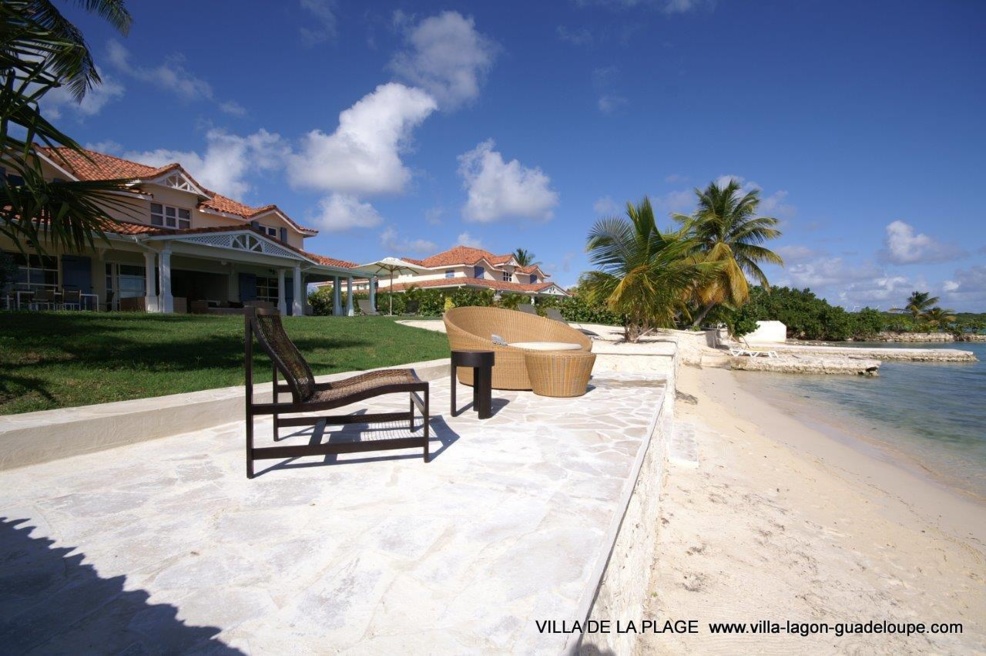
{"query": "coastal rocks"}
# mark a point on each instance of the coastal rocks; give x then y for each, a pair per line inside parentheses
(929, 337)
(896, 354)
(807, 364)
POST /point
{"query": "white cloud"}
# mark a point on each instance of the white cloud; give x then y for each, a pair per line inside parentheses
(499, 189)
(324, 27)
(842, 283)
(342, 212)
(903, 246)
(667, 6)
(434, 215)
(362, 155)
(679, 202)
(465, 239)
(228, 160)
(395, 243)
(609, 104)
(579, 37)
(967, 292)
(675, 178)
(447, 57)
(55, 101)
(171, 76)
(795, 254)
(606, 207)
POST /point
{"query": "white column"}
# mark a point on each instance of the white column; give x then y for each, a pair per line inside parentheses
(349, 297)
(167, 302)
(150, 294)
(373, 291)
(336, 297)
(298, 304)
(282, 306)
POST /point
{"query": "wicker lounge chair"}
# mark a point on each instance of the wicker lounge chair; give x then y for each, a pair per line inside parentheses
(474, 328)
(308, 396)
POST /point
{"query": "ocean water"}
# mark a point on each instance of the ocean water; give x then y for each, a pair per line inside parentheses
(927, 417)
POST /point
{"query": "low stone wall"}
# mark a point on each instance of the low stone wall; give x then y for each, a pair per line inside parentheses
(35, 437)
(622, 594)
(929, 337)
(807, 364)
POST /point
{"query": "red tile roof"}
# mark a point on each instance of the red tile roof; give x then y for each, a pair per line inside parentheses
(496, 285)
(101, 166)
(469, 255)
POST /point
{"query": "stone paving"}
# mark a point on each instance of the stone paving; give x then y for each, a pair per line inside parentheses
(164, 546)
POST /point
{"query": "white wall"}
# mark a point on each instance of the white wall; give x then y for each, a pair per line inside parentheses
(768, 332)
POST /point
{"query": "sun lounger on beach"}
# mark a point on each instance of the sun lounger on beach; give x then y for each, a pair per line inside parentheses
(751, 353)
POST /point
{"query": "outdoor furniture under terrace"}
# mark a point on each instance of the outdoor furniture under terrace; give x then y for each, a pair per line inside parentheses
(366, 307)
(481, 363)
(484, 328)
(309, 397)
(72, 299)
(559, 374)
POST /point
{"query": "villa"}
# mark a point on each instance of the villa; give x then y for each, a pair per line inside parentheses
(177, 247)
(462, 266)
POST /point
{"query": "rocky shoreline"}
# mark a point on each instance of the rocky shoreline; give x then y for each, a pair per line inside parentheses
(789, 363)
(929, 337)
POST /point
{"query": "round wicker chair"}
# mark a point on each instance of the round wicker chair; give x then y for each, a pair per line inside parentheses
(473, 327)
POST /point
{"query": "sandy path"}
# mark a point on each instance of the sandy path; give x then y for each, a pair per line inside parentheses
(780, 523)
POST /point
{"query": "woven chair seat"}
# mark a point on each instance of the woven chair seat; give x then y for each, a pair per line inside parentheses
(362, 383)
(474, 327)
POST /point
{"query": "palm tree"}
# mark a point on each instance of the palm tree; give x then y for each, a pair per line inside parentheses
(39, 51)
(644, 274)
(524, 257)
(729, 232)
(918, 304)
(938, 317)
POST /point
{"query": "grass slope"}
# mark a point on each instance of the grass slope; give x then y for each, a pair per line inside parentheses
(64, 359)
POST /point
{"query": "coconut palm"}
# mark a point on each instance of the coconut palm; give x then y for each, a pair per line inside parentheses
(918, 304)
(524, 257)
(730, 233)
(643, 274)
(938, 317)
(39, 51)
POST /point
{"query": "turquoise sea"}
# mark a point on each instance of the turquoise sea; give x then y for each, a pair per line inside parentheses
(927, 417)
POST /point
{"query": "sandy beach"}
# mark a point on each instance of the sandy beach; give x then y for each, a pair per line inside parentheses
(780, 524)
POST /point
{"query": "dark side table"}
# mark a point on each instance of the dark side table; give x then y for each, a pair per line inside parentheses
(482, 379)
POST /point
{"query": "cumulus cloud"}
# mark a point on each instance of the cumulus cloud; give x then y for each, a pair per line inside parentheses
(59, 99)
(338, 212)
(446, 57)
(171, 76)
(227, 162)
(604, 79)
(393, 242)
(465, 239)
(579, 37)
(363, 155)
(499, 189)
(838, 281)
(606, 206)
(666, 6)
(674, 202)
(967, 291)
(324, 28)
(903, 246)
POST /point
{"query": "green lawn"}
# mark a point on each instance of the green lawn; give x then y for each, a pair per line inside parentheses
(64, 359)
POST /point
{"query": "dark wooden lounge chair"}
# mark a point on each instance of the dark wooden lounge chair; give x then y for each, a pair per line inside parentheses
(308, 396)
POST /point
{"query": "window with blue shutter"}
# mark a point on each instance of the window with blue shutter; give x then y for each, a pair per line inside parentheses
(478, 273)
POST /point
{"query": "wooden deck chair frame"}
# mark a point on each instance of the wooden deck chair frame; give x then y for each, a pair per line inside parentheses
(308, 396)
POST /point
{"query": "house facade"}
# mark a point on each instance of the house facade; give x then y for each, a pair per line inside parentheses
(178, 247)
(464, 266)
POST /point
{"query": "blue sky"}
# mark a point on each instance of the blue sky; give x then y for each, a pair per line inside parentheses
(406, 128)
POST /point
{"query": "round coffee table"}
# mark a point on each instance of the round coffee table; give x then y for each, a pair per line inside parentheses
(482, 379)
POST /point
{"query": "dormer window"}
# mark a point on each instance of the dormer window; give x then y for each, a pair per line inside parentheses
(506, 276)
(269, 231)
(170, 217)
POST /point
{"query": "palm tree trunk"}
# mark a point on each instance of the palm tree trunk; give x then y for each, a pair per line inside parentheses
(701, 315)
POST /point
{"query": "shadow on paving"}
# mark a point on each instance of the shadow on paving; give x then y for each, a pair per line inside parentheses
(50, 602)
